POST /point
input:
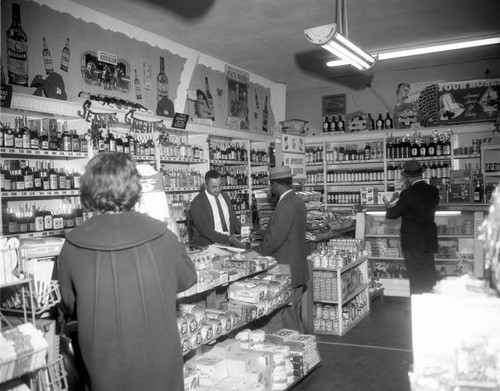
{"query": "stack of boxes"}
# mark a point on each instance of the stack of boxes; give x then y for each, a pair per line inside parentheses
(252, 362)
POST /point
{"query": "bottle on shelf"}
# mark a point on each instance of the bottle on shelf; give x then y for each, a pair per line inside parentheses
(423, 148)
(478, 192)
(326, 125)
(265, 116)
(370, 122)
(75, 141)
(162, 81)
(379, 124)
(340, 126)
(388, 124)
(447, 147)
(67, 139)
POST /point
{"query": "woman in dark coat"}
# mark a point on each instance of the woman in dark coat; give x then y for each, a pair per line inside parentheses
(119, 273)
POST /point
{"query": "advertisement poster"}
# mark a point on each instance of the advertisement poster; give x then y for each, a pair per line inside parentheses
(297, 163)
(237, 82)
(468, 101)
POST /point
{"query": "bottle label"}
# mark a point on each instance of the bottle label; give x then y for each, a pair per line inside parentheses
(39, 223)
(17, 61)
(18, 142)
(37, 182)
(9, 140)
(47, 222)
(432, 151)
(78, 220)
(7, 184)
(28, 182)
(34, 143)
(26, 141)
(58, 223)
(13, 227)
(76, 181)
(53, 182)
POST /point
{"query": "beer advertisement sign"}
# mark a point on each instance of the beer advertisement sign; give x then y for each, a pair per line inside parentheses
(468, 101)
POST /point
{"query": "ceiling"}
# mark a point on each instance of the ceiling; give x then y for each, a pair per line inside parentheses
(266, 37)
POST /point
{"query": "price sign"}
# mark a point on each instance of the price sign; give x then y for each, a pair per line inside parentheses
(180, 121)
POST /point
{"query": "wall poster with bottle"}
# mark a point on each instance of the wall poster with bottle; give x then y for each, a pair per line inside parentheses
(237, 82)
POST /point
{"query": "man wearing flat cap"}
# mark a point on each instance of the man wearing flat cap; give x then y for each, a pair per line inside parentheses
(417, 206)
(285, 240)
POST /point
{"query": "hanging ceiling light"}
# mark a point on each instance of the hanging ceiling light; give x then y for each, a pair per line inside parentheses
(432, 48)
(333, 37)
(330, 39)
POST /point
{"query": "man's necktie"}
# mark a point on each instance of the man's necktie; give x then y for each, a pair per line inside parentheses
(221, 215)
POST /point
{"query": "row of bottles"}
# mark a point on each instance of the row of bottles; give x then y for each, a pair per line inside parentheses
(17, 175)
(181, 177)
(260, 178)
(358, 175)
(172, 147)
(139, 146)
(404, 148)
(315, 176)
(228, 151)
(436, 169)
(32, 218)
(371, 151)
(333, 124)
(233, 176)
(349, 197)
(259, 156)
(314, 154)
(47, 134)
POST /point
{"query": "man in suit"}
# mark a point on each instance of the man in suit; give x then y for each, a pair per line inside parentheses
(416, 206)
(285, 240)
(212, 215)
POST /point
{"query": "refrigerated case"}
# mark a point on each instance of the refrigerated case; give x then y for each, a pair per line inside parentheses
(459, 250)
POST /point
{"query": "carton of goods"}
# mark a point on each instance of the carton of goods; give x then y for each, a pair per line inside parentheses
(369, 195)
(211, 369)
(247, 292)
(263, 374)
(224, 348)
(236, 384)
(279, 337)
(216, 326)
(246, 311)
(243, 361)
(301, 342)
(265, 353)
(196, 311)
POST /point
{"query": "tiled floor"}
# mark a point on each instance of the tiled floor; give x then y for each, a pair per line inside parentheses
(374, 356)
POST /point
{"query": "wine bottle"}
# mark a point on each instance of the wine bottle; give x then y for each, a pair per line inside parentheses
(9, 136)
(478, 192)
(162, 81)
(67, 139)
(371, 122)
(65, 57)
(76, 144)
(388, 124)
(380, 122)
(210, 99)
(326, 125)
(265, 115)
(17, 50)
(137, 84)
(47, 58)
(340, 124)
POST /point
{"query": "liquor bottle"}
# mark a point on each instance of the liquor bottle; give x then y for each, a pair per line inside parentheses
(380, 122)
(84, 146)
(53, 178)
(340, 125)
(76, 179)
(37, 177)
(111, 141)
(18, 134)
(367, 152)
(67, 139)
(45, 176)
(119, 144)
(75, 143)
(61, 179)
(28, 179)
(210, 99)
(17, 50)
(162, 81)
(439, 147)
(34, 139)
(57, 219)
(26, 133)
(265, 115)
(478, 192)
(65, 57)
(447, 147)
(431, 147)
(423, 148)
(39, 226)
(415, 149)
(137, 84)
(47, 58)
(9, 136)
(47, 219)
(388, 124)
(371, 122)
(326, 125)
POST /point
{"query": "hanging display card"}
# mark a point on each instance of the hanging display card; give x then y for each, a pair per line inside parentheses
(180, 121)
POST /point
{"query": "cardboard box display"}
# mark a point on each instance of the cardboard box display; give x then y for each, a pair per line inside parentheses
(224, 349)
(212, 370)
(369, 195)
(244, 361)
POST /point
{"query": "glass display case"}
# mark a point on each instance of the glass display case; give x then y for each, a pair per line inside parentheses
(459, 251)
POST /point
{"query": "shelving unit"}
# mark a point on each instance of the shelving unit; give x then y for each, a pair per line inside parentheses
(338, 288)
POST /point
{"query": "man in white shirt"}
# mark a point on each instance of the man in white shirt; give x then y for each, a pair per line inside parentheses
(212, 215)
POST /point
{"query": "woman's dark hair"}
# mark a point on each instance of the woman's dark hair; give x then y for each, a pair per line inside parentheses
(110, 183)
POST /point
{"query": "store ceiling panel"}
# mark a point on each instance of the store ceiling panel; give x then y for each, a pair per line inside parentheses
(266, 37)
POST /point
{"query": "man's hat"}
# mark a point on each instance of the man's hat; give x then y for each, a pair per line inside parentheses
(412, 168)
(280, 172)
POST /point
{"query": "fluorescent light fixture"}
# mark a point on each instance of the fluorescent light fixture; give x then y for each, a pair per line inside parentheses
(330, 39)
(448, 213)
(436, 48)
(438, 213)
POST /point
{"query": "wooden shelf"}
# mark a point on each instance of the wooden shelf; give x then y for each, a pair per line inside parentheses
(358, 262)
(178, 160)
(229, 162)
(42, 153)
(41, 234)
(350, 162)
(38, 194)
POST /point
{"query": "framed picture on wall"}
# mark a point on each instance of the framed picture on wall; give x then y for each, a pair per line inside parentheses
(334, 104)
